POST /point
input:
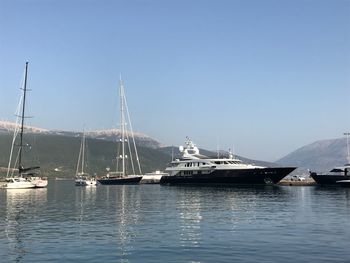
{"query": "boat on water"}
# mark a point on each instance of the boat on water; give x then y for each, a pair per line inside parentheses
(195, 168)
(153, 177)
(27, 177)
(127, 150)
(17, 182)
(82, 178)
(344, 183)
(335, 175)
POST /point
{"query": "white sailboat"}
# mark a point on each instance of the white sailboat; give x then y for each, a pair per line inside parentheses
(82, 178)
(26, 177)
(126, 156)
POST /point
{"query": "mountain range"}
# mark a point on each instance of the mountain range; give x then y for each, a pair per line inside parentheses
(58, 150)
(108, 135)
(318, 156)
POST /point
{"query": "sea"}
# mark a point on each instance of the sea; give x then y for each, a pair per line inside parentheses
(154, 223)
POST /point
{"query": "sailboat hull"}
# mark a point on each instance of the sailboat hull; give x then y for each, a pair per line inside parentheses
(120, 180)
(39, 182)
(18, 183)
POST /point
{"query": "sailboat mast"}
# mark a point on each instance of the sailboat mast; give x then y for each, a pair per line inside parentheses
(122, 123)
(347, 144)
(20, 166)
(83, 154)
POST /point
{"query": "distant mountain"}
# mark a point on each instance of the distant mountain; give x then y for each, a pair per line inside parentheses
(114, 134)
(109, 135)
(9, 127)
(318, 156)
(57, 154)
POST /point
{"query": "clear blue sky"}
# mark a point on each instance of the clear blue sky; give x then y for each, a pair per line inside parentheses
(266, 76)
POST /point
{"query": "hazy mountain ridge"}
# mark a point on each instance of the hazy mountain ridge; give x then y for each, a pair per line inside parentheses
(7, 127)
(319, 156)
(57, 154)
(109, 135)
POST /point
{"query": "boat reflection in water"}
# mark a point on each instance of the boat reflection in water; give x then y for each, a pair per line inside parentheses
(121, 204)
(21, 205)
(85, 199)
(190, 219)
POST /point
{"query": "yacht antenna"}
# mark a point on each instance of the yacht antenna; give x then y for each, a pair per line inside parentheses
(347, 143)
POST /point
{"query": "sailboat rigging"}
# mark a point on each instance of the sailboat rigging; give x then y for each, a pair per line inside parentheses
(26, 177)
(82, 178)
(123, 176)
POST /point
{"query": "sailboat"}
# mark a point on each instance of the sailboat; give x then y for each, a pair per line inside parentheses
(82, 178)
(123, 176)
(27, 177)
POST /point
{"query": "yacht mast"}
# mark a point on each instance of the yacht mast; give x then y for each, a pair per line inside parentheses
(20, 166)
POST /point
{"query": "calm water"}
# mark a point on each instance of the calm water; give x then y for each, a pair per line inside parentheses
(152, 223)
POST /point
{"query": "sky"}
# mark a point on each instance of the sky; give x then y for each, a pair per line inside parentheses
(264, 77)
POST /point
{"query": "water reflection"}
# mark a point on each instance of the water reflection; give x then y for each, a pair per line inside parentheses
(22, 207)
(123, 204)
(189, 206)
(216, 206)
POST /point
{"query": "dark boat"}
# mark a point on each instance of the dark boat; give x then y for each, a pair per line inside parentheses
(194, 168)
(344, 183)
(334, 175)
(126, 155)
(337, 173)
(120, 180)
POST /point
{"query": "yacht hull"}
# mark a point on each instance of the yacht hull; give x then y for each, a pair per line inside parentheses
(328, 179)
(260, 176)
(120, 180)
(344, 183)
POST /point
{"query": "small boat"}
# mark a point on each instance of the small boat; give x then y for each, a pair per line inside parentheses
(18, 183)
(27, 177)
(39, 182)
(82, 178)
(91, 181)
(335, 175)
(153, 177)
(195, 168)
(126, 153)
(344, 183)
